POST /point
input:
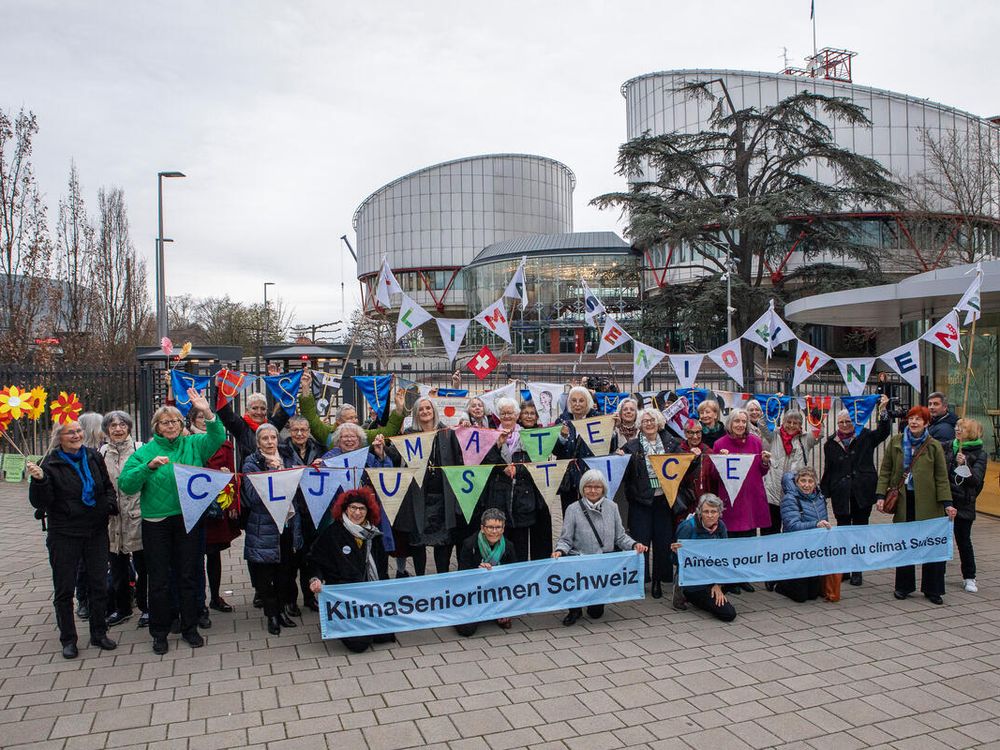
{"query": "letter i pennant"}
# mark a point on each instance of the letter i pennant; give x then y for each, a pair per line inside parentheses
(197, 488)
(467, 482)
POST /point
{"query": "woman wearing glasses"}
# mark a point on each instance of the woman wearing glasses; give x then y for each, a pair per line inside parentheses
(486, 549)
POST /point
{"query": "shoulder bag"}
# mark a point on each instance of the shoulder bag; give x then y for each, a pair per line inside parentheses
(892, 496)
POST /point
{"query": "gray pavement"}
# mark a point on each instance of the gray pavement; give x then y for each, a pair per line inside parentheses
(868, 671)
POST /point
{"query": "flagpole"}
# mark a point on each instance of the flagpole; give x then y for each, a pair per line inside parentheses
(968, 368)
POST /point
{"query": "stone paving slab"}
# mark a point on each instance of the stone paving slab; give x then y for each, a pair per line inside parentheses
(868, 671)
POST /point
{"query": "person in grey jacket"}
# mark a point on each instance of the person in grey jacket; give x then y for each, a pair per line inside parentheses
(591, 526)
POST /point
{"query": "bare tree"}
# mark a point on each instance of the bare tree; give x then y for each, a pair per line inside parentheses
(77, 273)
(376, 333)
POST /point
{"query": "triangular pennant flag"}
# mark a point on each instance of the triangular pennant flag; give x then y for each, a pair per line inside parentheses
(452, 334)
(411, 317)
(467, 482)
(229, 384)
(197, 488)
(773, 407)
(539, 443)
(607, 403)
(612, 336)
(596, 433)
(415, 449)
(860, 408)
(548, 476)
(489, 398)
(545, 397)
(677, 414)
(808, 359)
(475, 443)
(905, 362)
(276, 490)
(733, 469)
(670, 469)
(391, 486)
(180, 381)
(644, 359)
(318, 486)
(816, 408)
(376, 390)
(592, 305)
(855, 373)
(694, 397)
(386, 285)
(729, 357)
(945, 334)
(780, 330)
(348, 466)
(517, 289)
(769, 330)
(285, 389)
(686, 366)
(494, 318)
(971, 303)
(612, 467)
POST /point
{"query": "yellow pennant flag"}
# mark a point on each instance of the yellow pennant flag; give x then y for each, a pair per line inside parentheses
(415, 449)
(596, 432)
(547, 476)
(391, 485)
(670, 469)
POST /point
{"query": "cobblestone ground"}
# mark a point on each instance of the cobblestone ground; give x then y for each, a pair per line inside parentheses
(868, 671)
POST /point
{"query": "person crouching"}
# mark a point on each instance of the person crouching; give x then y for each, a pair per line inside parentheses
(485, 549)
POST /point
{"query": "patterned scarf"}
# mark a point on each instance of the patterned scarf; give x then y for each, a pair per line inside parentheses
(628, 432)
(911, 445)
(649, 449)
(364, 534)
(510, 446)
(490, 554)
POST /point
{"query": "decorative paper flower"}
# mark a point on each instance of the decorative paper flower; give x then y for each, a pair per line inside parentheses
(167, 346)
(38, 398)
(14, 401)
(66, 408)
(185, 350)
(5, 420)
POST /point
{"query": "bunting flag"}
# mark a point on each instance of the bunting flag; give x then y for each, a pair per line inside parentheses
(612, 467)
(348, 466)
(694, 397)
(855, 373)
(285, 389)
(386, 285)
(451, 411)
(376, 390)
(457, 392)
(905, 362)
(596, 433)
(686, 366)
(411, 316)
(592, 305)
(971, 304)
(644, 359)
(540, 442)
(808, 359)
(545, 397)
(467, 482)
(180, 381)
(415, 449)
(729, 400)
(677, 414)
(452, 334)
(607, 403)
(860, 408)
(229, 384)
(319, 486)
(494, 319)
(729, 357)
(733, 469)
(945, 334)
(517, 288)
(773, 407)
(816, 409)
(548, 476)
(612, 336)
(670, 469)
(277, 490)
(475, 443)
(483, 362)
(197, 488)
(490, 397)
(391, 486)
(769, 331)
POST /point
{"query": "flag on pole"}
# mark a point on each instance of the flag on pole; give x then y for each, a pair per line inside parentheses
(386, 285)
(971, 304)
(592, 305)
(517, 289)
(945, 334)
(612, 336)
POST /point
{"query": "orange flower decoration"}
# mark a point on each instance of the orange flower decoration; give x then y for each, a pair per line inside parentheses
(14, 401)
(66, 408)
(38, 397)
(5, 420)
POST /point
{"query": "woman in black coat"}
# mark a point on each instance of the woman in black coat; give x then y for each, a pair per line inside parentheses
(651, 519)
(486, 549)
(73, 489)
(579, 405)
(850, 476)
(967, 450)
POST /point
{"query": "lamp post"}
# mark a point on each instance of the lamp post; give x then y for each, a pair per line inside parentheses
(161, 286)
(261, 327)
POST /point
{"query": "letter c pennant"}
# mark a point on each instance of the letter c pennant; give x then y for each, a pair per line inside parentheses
(197, 488)
(670, 469)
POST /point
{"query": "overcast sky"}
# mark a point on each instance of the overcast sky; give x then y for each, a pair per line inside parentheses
(286, 115)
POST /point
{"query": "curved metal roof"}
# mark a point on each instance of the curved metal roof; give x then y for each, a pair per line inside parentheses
(553, 244)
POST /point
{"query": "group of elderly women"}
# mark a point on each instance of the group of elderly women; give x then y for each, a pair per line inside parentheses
(117, 508)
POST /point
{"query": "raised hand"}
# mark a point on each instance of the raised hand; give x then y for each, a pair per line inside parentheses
(306, 383)
(199, 402)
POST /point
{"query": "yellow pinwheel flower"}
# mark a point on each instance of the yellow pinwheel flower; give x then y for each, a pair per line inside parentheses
(14, 401)
(38, 398)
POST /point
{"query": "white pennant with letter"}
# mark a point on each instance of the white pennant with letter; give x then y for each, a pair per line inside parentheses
(276, 490)
(644, 359)
(855, 373)
(733, 469)
(729, 357)
(613, 469)
(411, 317)
(592, 305)
(905, 362)
(945, 334)
(686, 366)
(612, 336)
(386, 285)
(391, 486)
(494, 318)
(452, 334)
(517, 289)
(808, 359)
(197, 488)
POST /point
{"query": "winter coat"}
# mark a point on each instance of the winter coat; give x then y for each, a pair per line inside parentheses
(518, 498)
(243, 434)
(849, 475)
(291, 456)
(782, 463)
(158, 486)
(800, 512)
(701, 476)
(691, 528)
(470, 558)
(430, 513)
(577, 538)
(749, 509)
(638, 486)
(220, 532)
(942, 429)
(965, 490)
(932, 492)
(322, 431)
(573, 446)
(125, 529)
(372, 461)
(709, 438)
(263, 539)
(336, 557)
(58, 493)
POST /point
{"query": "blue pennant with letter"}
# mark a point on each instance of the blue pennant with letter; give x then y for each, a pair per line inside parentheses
(608, 402)
(860, 408)
(285, 389)
(375, 389)
(180, 381)
(694, 396)
(773, 406)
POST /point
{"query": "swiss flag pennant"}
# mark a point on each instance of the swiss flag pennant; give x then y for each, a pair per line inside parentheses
(483, 363)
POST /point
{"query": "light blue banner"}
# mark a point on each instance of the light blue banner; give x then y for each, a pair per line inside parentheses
(475, 595)
(802, 554)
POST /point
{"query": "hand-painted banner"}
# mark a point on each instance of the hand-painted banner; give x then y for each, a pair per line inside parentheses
(545, 397)
(348, 466)
(452, 332)
(475, 443)
(490, 397)
(596, 433)
(592, 305)
(494, 319)
(539, 443)
(945, 334)
(451, 411)
(386, 285)
(729, 400)
(677, 414)
(197, 488)
(411, 317)
(285, 389)
(468, 482)
(670, 469)
(733, 469)
(180, 381)
(808, 359)
(435, 601)
(415, 449)
(547, 476)
(815, 552)
(229, 384)
(905, 362)
(686, 367)
(276, 490)
(612, 336)
(860, 408)
(644, 359)
(729, 357)
(855, 373)
(391, 486)
(613, 469)
(607, 403)
(318, 485)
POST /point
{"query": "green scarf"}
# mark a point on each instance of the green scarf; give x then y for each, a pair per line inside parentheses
(489, 554)
(965, 444)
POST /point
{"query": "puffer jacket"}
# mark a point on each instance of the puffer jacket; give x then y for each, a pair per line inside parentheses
(691, 528)
(263, 538)
(782, 463)
(125, 529)
(799, 511)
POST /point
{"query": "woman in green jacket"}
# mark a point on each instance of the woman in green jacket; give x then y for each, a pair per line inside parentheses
(166, 543)
(925, 494)
(323, 431)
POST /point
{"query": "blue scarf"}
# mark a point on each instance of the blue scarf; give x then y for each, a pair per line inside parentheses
(911, 444)
(81, 466)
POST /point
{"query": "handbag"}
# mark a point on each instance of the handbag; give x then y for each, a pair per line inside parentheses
(831, 586)
(892, 496)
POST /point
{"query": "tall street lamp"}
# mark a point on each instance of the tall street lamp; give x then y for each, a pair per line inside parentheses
(261, 327)
(161, 285)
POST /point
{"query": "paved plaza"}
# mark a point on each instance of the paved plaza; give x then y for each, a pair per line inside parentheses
(868, 671)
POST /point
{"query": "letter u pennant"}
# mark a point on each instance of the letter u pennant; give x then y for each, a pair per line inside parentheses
(197, 488)
(391, 486)
(670, 469)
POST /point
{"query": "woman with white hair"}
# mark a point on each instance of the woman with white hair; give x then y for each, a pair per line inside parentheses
(244, 429)
(790, 448)
(758, 424)
(579, 405)
(591, 526)
(346, 414)
(627, 420)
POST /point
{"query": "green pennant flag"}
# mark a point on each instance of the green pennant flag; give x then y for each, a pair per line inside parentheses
(539, 443)
(468, 483)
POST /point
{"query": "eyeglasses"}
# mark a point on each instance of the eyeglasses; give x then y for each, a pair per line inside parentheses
(492, 528)
(692, 432)
(357, 508)
(72, 432)
(171, 421)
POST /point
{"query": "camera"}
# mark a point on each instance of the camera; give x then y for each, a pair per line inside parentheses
(895, 409)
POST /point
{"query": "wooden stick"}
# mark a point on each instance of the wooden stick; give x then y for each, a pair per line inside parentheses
(968, 369)
(13, 444)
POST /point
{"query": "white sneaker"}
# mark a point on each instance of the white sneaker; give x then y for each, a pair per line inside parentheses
(970, 586)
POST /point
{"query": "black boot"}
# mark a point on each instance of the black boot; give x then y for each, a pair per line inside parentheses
(856, 579)
(273, 626)
(656, 590)
(286, 621)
